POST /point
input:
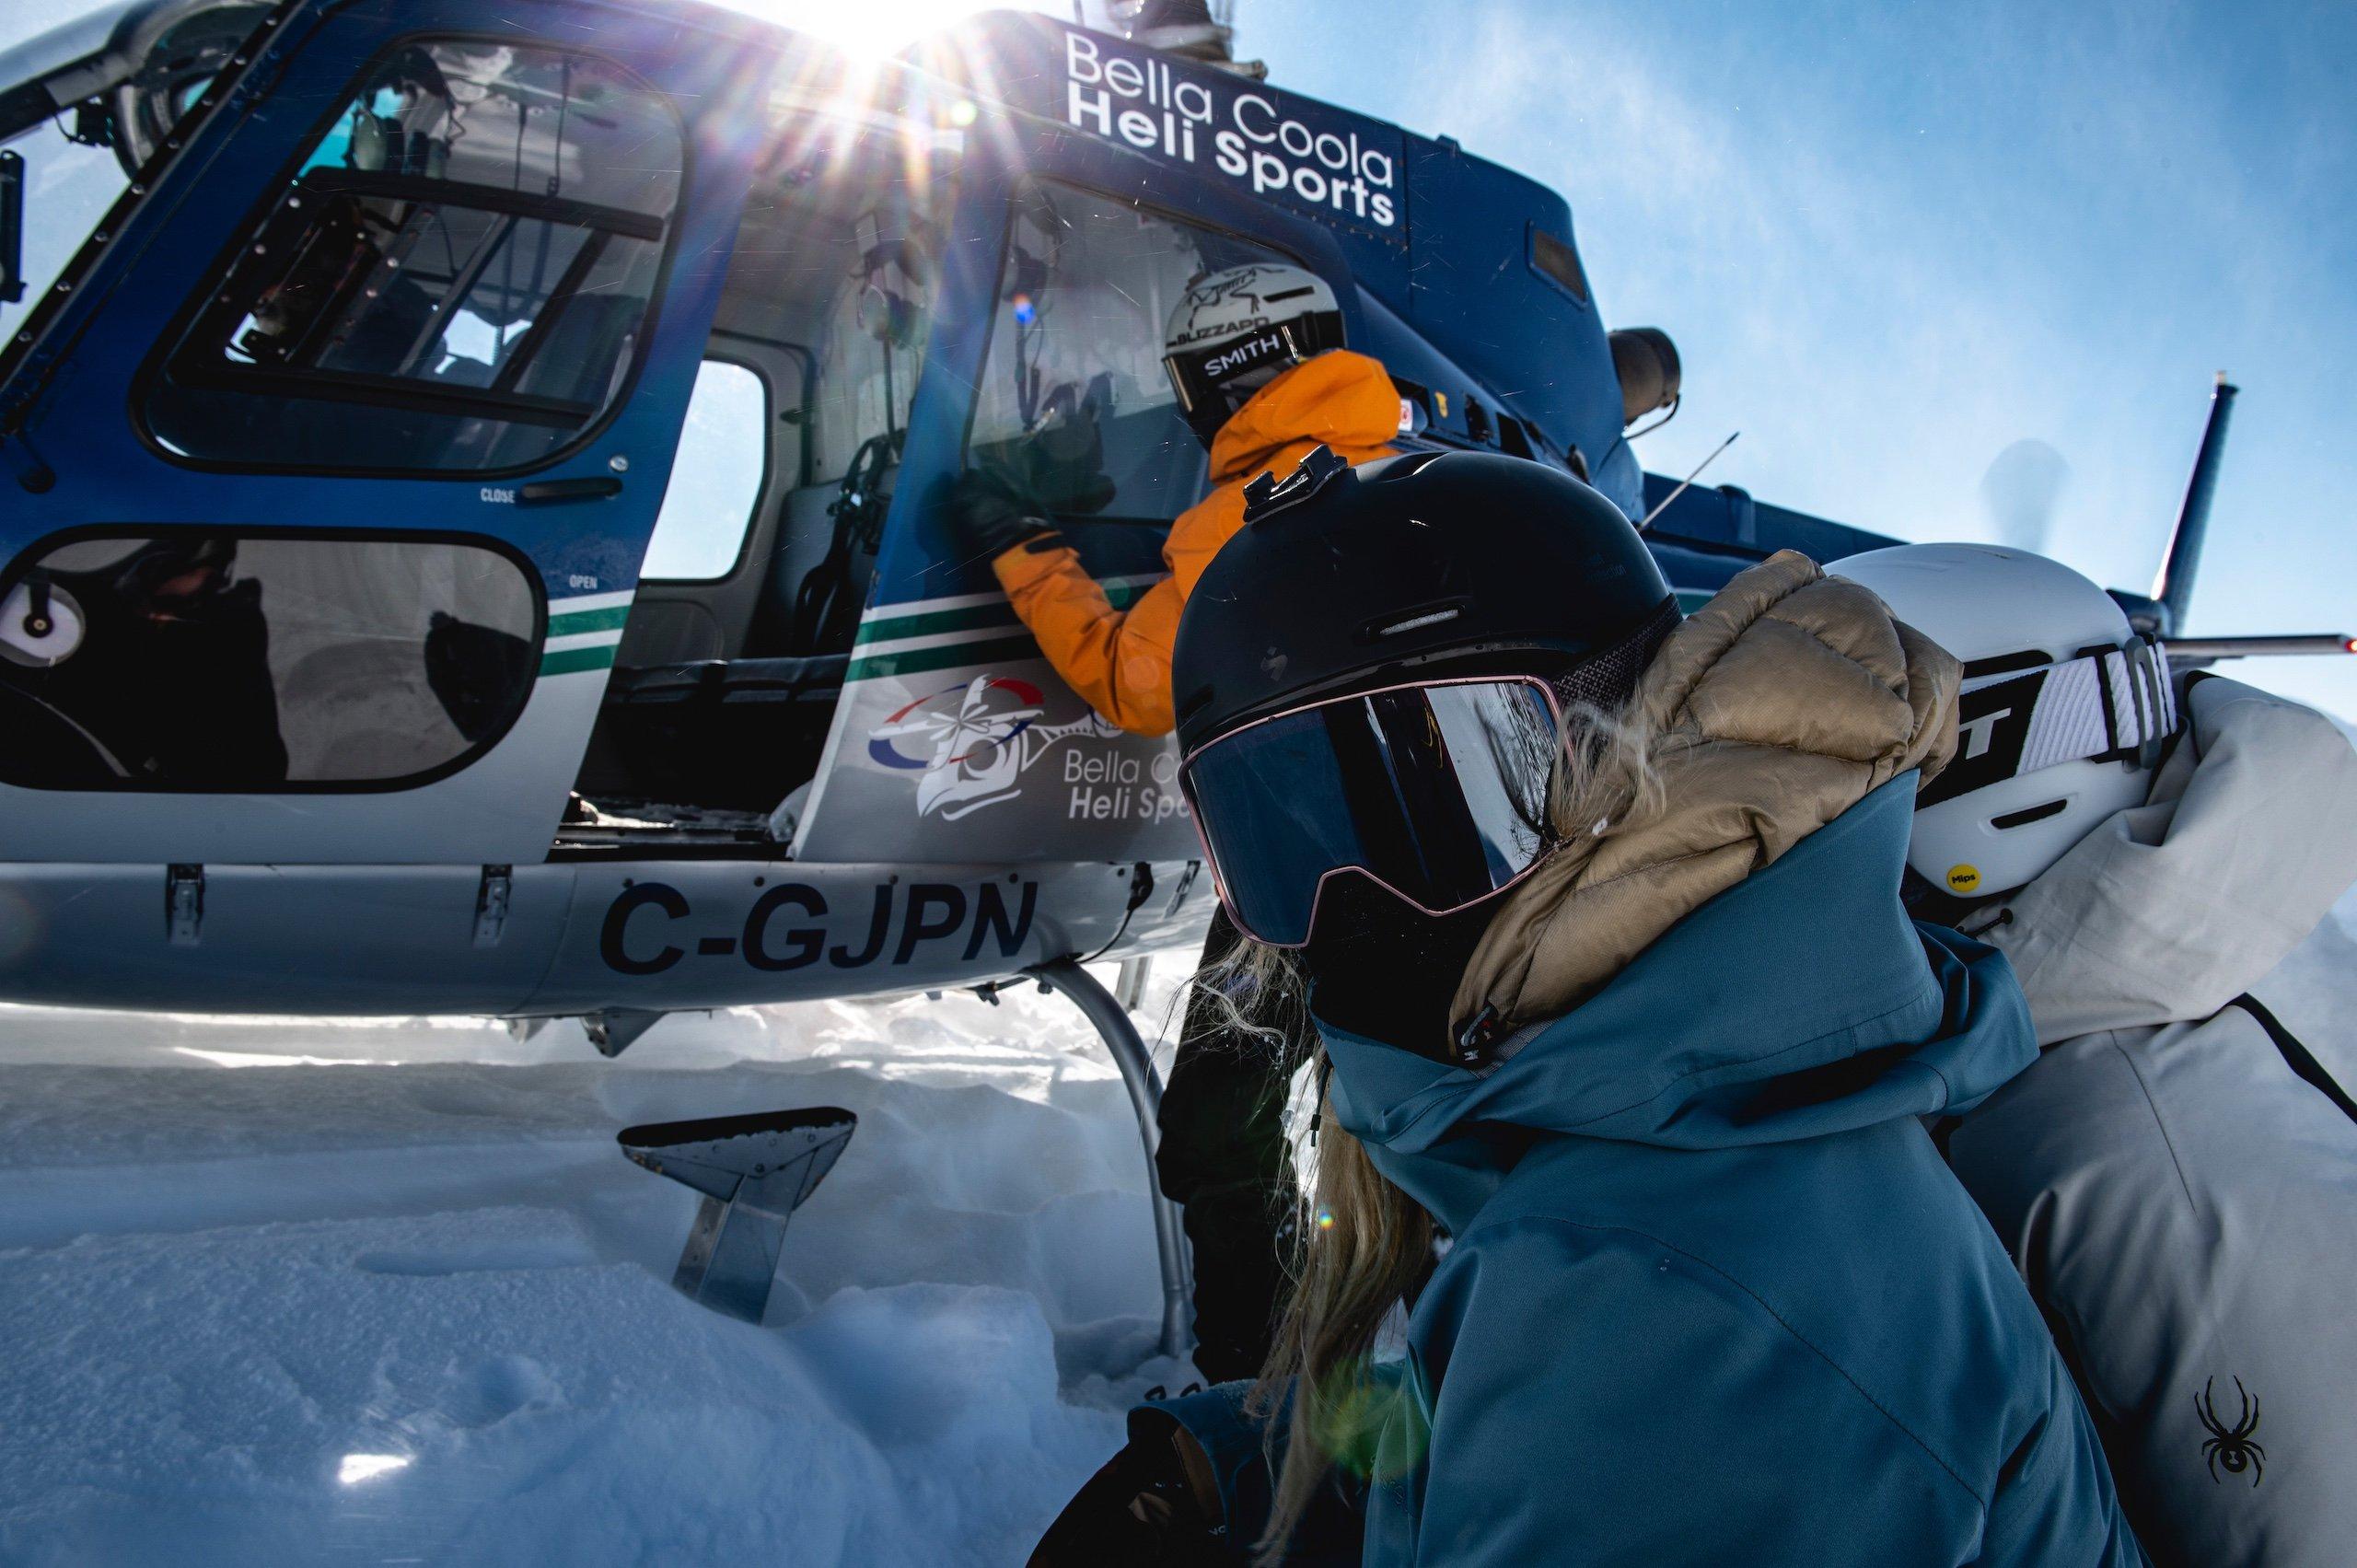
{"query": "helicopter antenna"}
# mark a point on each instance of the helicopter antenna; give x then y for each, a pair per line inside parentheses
(1689, 478)
(2174, 587)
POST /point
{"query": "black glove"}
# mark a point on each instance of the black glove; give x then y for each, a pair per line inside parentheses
(1062, 464)
(993, 514)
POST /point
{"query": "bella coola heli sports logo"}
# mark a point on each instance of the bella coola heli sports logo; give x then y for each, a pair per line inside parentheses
(978, 739)
(1144, 102)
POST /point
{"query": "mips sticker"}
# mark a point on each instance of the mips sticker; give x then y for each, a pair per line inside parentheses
(1963, 878)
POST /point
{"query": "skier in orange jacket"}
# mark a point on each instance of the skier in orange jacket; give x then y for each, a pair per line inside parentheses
(1256, 355)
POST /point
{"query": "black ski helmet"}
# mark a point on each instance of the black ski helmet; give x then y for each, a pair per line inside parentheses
(1425, 566)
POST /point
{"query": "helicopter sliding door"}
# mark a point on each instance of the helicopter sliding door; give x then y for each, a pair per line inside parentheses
(956, 740)
(330, 466)
(732, 658)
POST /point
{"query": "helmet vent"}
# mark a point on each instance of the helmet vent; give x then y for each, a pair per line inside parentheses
(2023, 817)
(1413, 618)
(1418, 622)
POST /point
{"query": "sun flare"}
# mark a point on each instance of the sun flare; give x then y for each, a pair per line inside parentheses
(873, 29)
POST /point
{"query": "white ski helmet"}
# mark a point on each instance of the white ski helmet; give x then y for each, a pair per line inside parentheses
(2064, 712)
(1234, 329)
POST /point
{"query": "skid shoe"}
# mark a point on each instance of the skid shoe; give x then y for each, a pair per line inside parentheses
(753, 1171)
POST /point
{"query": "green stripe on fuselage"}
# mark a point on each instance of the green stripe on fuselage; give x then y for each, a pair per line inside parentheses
(972, 617)
(571, 661)
(916, 661)
(573, 623)
(1009, 641)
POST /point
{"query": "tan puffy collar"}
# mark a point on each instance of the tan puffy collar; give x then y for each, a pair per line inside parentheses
(1772, 710)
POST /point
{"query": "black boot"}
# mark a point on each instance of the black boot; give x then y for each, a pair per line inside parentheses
(1143, 1510)
(1224, 1158)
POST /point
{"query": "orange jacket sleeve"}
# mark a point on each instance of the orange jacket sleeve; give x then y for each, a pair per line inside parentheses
(1118, 659)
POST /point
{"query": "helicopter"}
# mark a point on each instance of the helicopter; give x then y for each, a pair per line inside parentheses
(473, 502)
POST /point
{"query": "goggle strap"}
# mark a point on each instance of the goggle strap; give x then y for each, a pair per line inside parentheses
(2108, 704)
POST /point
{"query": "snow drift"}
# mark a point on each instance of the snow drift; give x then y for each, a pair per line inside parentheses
(385, 1291)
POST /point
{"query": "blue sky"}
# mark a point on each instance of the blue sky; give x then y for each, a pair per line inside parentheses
(1894, 240)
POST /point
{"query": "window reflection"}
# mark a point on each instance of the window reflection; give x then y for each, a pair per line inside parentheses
(1086, 285)
(468, 253)
(201, 660)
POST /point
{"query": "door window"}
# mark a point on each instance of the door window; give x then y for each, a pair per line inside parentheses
(457, 277)
(716, 478)
(1086, 285)
(192, 659)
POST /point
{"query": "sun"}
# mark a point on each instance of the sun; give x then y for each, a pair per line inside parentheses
(874, 28)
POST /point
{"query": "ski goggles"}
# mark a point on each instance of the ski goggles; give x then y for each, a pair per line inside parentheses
(2107, 704)
(1200, 377)
(1436, 791)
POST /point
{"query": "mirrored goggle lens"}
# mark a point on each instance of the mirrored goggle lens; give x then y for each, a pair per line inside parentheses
(1438, 791)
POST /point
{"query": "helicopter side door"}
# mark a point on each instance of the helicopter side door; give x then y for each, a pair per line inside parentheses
(955, 739)
(329, 471)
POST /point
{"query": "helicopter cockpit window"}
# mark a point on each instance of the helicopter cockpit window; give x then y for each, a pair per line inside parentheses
(1085, 286)
(195, 660)
(456, 278)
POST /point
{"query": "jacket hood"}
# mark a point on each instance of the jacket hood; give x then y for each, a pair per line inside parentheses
(2170, 910)
(1342, 399)
(1769, 712)
(1800, 1003)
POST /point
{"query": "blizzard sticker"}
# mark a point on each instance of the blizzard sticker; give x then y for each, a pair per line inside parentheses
(1308, 156)
(648, 929)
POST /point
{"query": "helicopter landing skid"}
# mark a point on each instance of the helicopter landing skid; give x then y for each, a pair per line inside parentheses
(1130, 1054)
(753, 1172)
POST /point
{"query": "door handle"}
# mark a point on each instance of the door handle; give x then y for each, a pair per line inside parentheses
(543, 491)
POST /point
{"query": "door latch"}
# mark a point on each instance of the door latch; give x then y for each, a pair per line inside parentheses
(183, 904)
(491, 904)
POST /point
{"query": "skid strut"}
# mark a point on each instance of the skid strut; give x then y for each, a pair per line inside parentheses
(753, 1171)
(1130, 1054)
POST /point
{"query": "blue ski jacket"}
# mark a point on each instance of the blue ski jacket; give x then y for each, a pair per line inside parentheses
(1713, 1296)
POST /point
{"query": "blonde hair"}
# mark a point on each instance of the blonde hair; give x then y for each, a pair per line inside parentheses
(1362, 1246)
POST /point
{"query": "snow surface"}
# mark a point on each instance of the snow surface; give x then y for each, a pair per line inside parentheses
(385, 1291)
